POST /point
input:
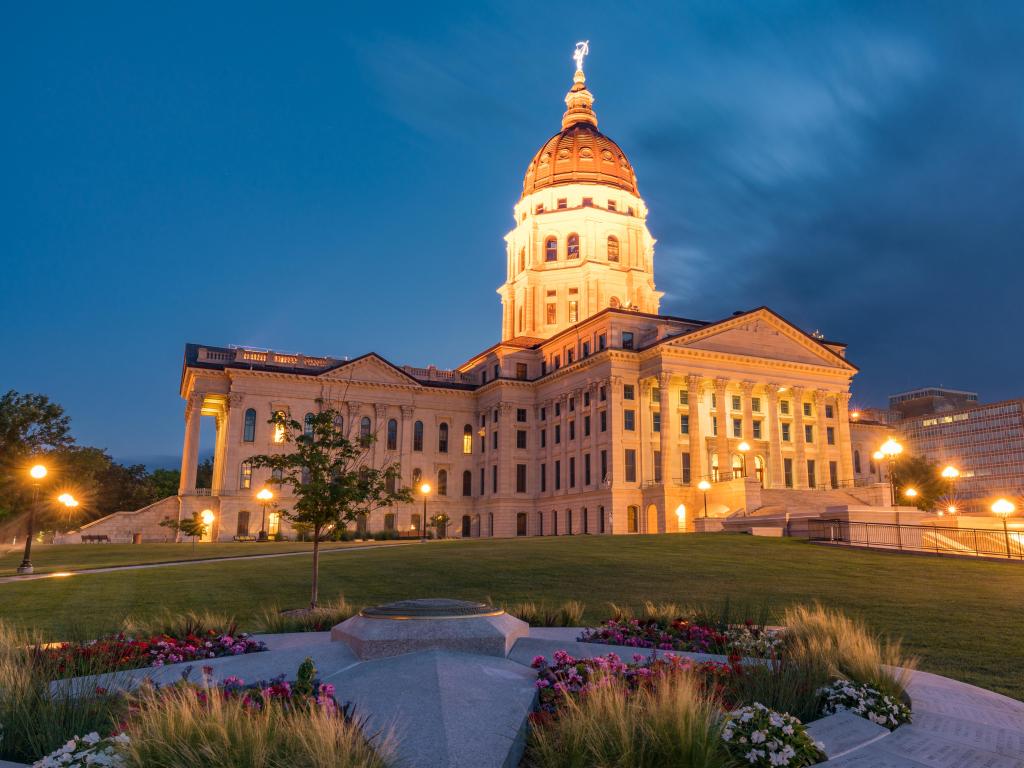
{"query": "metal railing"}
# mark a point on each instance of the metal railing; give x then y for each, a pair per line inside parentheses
(938, 539)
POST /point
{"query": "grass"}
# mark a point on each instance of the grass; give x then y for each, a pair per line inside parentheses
(959, 617)
(53, 558)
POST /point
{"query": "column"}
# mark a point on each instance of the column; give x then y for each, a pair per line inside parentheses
(668, 443)
(800, 476)
(820, 396)
(843, 436)
(747, 389)
(695, 388)
(722, 441)
(775, 474)
(380, 431)
(190, 453)
(405, 457)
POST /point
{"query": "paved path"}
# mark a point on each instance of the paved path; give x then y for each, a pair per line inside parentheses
(170, 563)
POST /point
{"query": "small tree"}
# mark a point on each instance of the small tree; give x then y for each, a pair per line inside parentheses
(924, 476)
(190, 526)
(329, 477)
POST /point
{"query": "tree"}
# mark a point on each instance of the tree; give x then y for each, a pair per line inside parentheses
(164, 482)
(204, 474)
(922, 475)
(190, 526)
(329, 476)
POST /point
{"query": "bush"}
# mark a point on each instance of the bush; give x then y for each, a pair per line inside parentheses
(822, 636)
(319, 619)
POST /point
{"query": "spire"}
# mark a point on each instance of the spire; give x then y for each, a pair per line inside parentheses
(579, 102)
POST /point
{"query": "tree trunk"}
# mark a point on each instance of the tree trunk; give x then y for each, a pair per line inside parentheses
(316, 567)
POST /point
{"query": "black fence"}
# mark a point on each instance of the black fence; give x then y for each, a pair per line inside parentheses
(975, 542)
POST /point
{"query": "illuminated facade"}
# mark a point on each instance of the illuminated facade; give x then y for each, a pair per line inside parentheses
(592, 414)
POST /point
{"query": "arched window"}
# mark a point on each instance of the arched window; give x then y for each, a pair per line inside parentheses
(467, 440)
(467, 526)
(305, 476)
(442, 483)
(417, 476)
(392, 435)
(613, 248)
(600, 519)
(364, 428)
(522, 259)
(442, 438)
(249, 430)
(554, 522)
(279, 429)
(871, 466)
(572, 249)
(417, 436)
(632, 519)
(586, 521)
(520, 524)
(467, 483)
(339, 423)
(389, 521)
(307, 425)
(568, 522)
(856, 462)
(277, 474)
(245, 476)
(540, 523)
(551, 249)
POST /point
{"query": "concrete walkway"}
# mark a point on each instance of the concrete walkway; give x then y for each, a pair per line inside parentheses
(171, 563)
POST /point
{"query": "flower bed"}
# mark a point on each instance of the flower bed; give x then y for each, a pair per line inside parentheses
(685, 634)
(125, 652)
(864, 700)
(761, 737)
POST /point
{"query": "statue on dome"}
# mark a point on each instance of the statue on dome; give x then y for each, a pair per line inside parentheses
(582, 49)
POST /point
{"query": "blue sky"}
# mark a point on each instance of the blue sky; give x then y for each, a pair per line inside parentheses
(337, 178)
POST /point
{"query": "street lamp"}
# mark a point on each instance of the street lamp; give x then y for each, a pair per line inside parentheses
(425, 490)
(1004, 509)
(38, 472)
(743, 448)
(207, 517)
(891, 450)
(265, 496)
(950, 474)
(705, 486)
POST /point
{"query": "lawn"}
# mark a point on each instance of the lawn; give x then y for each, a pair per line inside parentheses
(50, 558)
(962, 617)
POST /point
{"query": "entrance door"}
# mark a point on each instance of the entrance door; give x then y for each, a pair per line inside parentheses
(467, 527)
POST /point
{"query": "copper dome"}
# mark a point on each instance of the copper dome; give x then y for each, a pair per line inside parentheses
(580, 152)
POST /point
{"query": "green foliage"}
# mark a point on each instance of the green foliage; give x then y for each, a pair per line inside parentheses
(539, 614)
(319, 619)
(923, 475)
(193, 527)
(329, 476)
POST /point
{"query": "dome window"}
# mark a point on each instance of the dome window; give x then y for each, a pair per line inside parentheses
(551, 249)
(612, 205)
(573, 246)
(563, 203)
(588, 202)
(613, 248)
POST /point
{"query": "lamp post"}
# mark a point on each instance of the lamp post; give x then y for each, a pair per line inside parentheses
(69, 501)
(950, 474)
(265, 496)
(891, 450)
(425, 490)
(743, 448)
(37, 473)
(705, 486)
(1004, 509)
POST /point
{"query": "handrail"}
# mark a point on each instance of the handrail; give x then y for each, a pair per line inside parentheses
(936, 539)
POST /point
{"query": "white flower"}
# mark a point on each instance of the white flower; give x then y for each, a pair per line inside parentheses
(757, 737)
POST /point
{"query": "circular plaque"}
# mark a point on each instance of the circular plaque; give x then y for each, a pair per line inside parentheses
(431, 608)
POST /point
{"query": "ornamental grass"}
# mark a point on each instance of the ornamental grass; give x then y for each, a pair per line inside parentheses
(846, 648)
(173, 624)
(675, 723)
(176, 729)
(568, 614)
(320, 619)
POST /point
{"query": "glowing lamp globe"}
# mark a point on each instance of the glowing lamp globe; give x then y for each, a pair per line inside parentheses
(744, 446)
(65, 498)
(910, 493)
(877, 455)
(891, 448)
(1003, 508)
(425, 489)
(38, 472)
(264, 495)
(704, 485)
(207, 516)
(951, 472)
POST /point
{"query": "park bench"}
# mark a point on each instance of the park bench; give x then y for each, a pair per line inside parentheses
(95, 538)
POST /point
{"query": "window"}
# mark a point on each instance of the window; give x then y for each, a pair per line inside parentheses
(304, 476)
(586, 399)
(737, 427)
(558, 475)
(736, 404)
(604, 421)
(574, 312)
(655, 396)
(482, 489)
(520, 478)
(684, 424)
(558, 434)
(307, 425)
(539, 208)
(414, 521)
(657, 466)
(684, 397)
(572, 471)
(811, 480)
(627, 340)
(856, 462)
(467, 439)
(417, 436)
(467, 483)
(757, 429)
(755, 404)
(586, 469)
(483, 377)
(602, 393)
(442, 438)
(586, 426)
(572, 246)
(586, 350)
(572, 429)
(807, 409)
(389, 521)
(391, 483)
(497, 371)
(632, 519)
(392, 442)
(808, 433)
(612, 205)
(830, 435)
(277, 474)
(543, 478)
(242, 526)
(686, 468)
(521, 371)
(562, 203)
(442, 482)
(600, 519)
(494, 439)
(629, 420)
(586, 520)
(656, 421)
(551, 249)
(520, 438)
(494, 478)
(588, 202)
(249, 430)
(543, 413)
(417, 477)
(569, 355)
(787, 471)
(279, 428)
(630, 465)
(833, 474)
(520, 414)
(520, 524)
(558, 409)
(828, 412)
(551, 315)
(273, 523)
(784, 407)
(613, 248)
(245, 476)
(628, 392)
(543, 438)
(714, 426)
(785, 433)
(604, 466)
(364, 429)
(602, 341)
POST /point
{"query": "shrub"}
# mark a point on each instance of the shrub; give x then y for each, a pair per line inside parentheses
(763, 738)
(823, 636)
(866, 701)
(319, 619)
(673, 723)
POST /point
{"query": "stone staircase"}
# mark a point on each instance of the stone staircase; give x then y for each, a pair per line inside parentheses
(119, 526)
(782, 505)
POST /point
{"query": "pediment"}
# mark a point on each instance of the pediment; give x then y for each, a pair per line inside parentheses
(371, 369)
(762, 334)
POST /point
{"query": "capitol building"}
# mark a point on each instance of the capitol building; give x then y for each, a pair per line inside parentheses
(592, 414)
